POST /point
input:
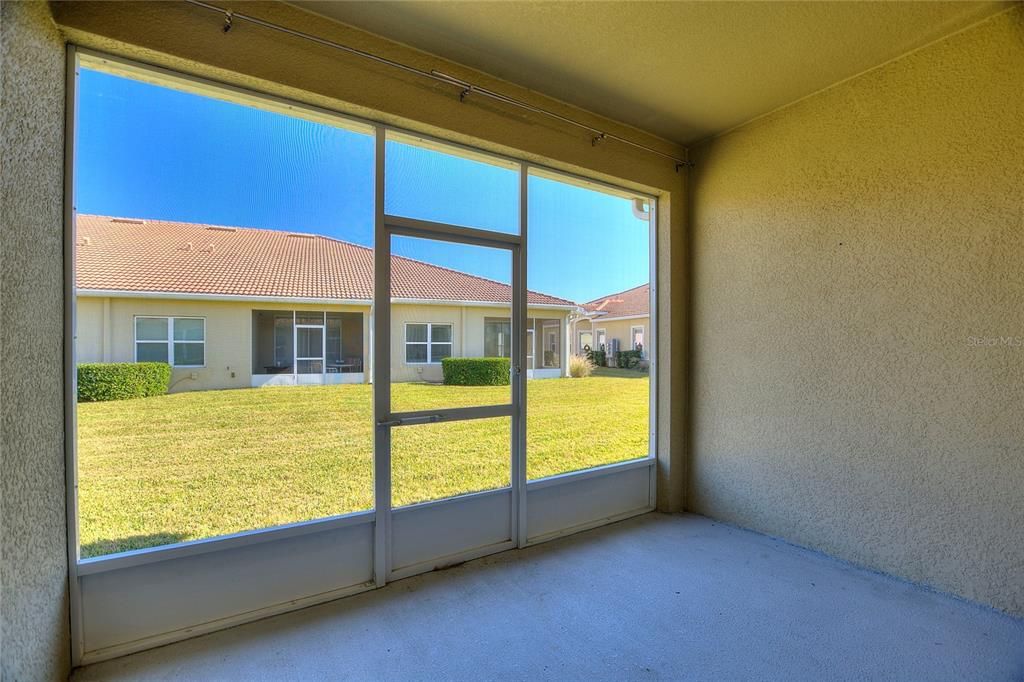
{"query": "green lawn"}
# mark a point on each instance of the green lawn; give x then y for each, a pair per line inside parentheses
(192, 465)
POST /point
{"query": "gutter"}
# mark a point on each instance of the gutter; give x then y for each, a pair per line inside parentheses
(186, 296)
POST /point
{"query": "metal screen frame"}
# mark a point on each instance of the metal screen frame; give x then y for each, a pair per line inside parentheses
(231, 549)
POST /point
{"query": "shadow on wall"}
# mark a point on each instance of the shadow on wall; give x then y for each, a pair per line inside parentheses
(104, 547)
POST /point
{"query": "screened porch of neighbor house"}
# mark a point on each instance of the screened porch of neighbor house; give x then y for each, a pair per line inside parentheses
(291, 347)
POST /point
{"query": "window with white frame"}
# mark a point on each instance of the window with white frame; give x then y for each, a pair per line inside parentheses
(427, 342)
(601, 339)
(178, 341)
(637, 336)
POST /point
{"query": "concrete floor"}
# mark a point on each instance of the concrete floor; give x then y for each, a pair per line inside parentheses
(656, 597)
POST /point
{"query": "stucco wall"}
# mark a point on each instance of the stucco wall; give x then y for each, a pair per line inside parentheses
(105, 333)
(616, 329)
(846, 252)
(33, 587)
(468, 333)
(228, 335)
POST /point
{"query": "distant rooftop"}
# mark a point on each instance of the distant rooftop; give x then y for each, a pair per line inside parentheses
(635, 301)
(134, 255)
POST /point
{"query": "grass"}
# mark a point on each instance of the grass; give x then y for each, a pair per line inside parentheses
(193, 465)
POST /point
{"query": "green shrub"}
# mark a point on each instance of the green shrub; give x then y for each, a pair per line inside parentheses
(99, 381)
(598, 358)
(476, 371)
(628, 359)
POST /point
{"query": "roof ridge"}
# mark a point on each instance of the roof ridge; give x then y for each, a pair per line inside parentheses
(478, 277)
(224, 227)
(600, 299)
(243, 228)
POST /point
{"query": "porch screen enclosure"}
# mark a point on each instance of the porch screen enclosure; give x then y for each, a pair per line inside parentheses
(354, 283)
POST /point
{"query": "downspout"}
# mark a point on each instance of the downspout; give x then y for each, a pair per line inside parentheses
(107, 333)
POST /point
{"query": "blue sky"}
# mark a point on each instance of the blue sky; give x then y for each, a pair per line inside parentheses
(151, 152)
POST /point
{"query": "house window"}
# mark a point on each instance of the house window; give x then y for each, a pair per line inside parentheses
(636, 334)
(427, 343)
(178, 341)
(601, 339)
(586, 338)
(497, 337)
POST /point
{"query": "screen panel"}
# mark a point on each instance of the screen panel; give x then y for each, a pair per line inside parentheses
(598, 411)
(428, 180)
(266, 416)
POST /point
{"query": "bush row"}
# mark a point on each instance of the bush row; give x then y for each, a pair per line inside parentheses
(628, 359)
(599, 358)
(476, 371)
(122, 380)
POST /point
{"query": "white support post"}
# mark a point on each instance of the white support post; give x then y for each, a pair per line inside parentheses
(565, 347)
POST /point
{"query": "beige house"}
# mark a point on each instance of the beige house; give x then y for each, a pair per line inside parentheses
(240, 307)
(619, 321)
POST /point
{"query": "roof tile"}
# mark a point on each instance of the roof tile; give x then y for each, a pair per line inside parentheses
(635, 301)
(126, 254)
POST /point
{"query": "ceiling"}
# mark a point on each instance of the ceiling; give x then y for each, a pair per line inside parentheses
(682, 70)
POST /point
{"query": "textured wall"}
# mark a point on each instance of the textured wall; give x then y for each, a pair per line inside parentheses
(32, 537)
(846, 251)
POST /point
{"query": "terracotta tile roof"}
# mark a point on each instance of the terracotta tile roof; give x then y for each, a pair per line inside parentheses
(635, 301)
(126, 254)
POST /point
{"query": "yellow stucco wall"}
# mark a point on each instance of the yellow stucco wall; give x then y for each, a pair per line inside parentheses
(105, 333)
(848, 252)
(615, 329)
(109, 336)
(468, 335)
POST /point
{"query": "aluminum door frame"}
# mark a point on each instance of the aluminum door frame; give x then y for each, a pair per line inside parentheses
(385, 227)
(201, 586)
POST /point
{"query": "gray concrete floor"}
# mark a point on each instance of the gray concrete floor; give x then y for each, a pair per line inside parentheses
(656, 597)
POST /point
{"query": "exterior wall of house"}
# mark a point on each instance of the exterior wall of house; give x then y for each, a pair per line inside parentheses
(106, 333)
(468, 334)
(614, 329)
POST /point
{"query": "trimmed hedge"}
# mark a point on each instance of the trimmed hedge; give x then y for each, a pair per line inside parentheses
(628, 359)
(476, 371)
(99, 381)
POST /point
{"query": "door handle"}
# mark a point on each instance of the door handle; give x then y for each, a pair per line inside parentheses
(406, 421)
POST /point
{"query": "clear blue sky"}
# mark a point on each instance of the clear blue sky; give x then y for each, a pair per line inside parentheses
(151, 152)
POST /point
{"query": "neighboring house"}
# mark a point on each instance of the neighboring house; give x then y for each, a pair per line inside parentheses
(621, 320)
(237, 307)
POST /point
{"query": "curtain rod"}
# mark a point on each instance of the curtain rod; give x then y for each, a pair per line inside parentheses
(466, 88)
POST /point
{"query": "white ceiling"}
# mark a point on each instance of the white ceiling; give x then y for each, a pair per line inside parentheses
(682, 70)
